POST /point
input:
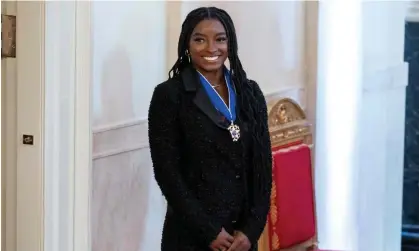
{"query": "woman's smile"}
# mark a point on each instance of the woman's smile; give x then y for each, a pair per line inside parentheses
(211, 59)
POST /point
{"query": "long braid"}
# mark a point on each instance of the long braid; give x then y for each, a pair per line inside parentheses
(249, 108)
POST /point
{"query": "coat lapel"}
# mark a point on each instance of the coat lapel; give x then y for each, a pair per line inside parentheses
(190, 79)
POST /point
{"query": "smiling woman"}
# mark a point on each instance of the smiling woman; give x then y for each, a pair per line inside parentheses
(209, 142)
(208, 45)
(208, 52)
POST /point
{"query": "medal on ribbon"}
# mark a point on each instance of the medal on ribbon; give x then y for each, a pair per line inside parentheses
(229, 111)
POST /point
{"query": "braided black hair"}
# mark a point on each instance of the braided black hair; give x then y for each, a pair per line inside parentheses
(249, 108)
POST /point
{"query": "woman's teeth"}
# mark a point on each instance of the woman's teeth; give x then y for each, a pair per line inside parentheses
(211, 58)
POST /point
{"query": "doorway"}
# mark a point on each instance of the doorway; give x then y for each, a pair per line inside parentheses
(410, 220)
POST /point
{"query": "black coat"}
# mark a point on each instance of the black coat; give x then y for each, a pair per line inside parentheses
(205, 177)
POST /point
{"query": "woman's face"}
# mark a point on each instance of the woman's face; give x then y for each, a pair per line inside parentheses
(208, 46)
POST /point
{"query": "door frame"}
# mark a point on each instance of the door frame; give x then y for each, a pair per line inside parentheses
(61, 151)
(83, 128)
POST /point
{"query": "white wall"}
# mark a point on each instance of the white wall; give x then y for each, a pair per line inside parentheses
(129, 58)
(134, 44)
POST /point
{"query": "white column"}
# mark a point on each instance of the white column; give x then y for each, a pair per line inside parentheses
(360, 124)
(338, 103)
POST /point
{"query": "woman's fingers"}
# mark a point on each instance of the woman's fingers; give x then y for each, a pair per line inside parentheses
(226, 244)
(230, 238)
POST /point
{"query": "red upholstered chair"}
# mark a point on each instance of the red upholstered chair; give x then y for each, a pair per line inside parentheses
(291, 224)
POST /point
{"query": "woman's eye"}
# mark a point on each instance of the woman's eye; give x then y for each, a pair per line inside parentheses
(199, 40)
(222, 39)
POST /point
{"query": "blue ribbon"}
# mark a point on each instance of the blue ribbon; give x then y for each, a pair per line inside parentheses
(216, 99)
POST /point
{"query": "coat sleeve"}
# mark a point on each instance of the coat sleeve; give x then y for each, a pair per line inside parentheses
(260, 183)
(164, 138)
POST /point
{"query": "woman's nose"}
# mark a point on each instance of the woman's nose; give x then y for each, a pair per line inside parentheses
(212, 47)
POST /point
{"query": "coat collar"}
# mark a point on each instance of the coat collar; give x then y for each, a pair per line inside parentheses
(190, 79)
(191, 82)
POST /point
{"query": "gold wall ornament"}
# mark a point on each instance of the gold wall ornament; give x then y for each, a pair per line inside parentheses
(8, 36)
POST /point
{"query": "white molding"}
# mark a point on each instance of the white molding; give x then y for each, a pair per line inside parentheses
(120, 151)
(83, 129)
(118, 139)
(60, 82)
(119, 125)
(390, 78)
(30, 120)
(67, 127)
(310, 69)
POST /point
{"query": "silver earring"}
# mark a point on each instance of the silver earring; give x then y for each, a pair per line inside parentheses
(188, 55)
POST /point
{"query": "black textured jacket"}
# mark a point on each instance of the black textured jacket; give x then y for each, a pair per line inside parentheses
(206, 178)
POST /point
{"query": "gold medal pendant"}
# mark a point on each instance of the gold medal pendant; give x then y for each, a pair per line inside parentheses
(234, 131)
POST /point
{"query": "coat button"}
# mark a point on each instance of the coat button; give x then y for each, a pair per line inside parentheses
(237, 176)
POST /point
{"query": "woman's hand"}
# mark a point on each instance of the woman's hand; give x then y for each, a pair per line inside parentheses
(240, 243)
(223, 241)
